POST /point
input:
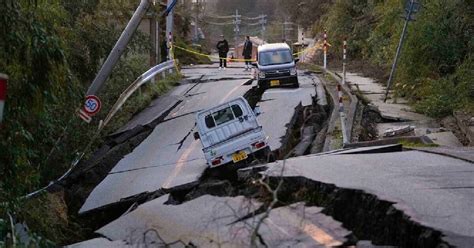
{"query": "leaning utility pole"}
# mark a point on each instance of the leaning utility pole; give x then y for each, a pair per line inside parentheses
(413, 8)
(119, 48)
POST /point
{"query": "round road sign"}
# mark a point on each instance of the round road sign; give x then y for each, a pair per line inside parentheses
(92, 105)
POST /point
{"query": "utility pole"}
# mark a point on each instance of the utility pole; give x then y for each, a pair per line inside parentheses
(237, 21)
(286, 28)
(153, 38)
(263, 22)
(118, 49)
(169, 28)
(412, 8)
(197, 8)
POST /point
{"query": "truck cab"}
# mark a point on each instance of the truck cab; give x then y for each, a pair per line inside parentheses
(230, 133)
(276, 66)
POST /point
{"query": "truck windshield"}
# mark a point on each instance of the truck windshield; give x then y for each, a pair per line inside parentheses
(275, 57)
(222, 116)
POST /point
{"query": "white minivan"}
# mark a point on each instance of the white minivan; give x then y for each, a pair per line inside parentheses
(230, 133)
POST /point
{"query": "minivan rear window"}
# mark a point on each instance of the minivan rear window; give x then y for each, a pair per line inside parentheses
(223, 116)
(275, 57)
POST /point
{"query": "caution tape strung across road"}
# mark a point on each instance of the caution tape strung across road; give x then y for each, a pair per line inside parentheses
(213, 57)
(318, 46)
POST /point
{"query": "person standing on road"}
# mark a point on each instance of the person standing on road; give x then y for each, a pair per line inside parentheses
(223, 48)
(247, 52)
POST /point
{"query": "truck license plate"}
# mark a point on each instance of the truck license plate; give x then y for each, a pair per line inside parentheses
(274, 82)
(239, 156)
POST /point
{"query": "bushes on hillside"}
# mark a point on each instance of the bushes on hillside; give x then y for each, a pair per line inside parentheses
(435, 57)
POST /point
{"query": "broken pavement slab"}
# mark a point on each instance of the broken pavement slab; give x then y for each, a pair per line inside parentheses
(205, 222)
(169, 157)
(158, 162)
(464, 153)
(300, 225)
(445, 139)
(157, 108)
(420, 127)
(375, 92)
(278, 108)
(227, 221)
(433, 190)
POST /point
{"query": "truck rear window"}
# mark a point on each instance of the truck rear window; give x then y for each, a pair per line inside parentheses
(222, 116)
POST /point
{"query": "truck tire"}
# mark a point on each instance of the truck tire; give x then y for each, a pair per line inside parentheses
(266, 155)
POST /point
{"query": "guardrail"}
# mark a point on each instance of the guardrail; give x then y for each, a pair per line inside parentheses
(353, 106)
(141, 80)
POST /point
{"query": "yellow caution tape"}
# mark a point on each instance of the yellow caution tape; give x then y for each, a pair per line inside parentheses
(318, 46)
(213, 57)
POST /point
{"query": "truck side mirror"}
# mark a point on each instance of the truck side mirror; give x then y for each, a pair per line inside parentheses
(254, 64)
(196, 136)
(257, 111)
(297, 60)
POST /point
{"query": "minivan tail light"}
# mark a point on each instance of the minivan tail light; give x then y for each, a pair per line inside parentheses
(258, 145)
(217, 161)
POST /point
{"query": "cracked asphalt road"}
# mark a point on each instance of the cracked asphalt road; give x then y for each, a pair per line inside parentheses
(433, 190)
(170, 157)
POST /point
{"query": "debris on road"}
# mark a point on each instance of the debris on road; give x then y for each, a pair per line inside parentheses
(405, 130)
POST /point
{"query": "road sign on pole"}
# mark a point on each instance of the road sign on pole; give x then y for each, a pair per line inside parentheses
(3, 94)
(92, 105)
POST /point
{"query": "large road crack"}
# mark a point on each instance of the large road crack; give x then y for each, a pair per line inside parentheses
(181, 142)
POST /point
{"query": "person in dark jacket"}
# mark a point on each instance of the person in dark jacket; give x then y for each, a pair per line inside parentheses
(223, 48)
(247, 52)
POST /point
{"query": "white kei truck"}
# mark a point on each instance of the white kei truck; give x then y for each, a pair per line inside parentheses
(230, 133)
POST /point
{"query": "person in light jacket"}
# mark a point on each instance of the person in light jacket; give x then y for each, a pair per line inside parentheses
(223, 48)
(247, 53)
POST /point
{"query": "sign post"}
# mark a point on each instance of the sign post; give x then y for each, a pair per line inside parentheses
(325, 49)
(3, 94)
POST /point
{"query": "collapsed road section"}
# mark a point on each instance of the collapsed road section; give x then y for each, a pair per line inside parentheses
(305, 200)
(162, 156)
